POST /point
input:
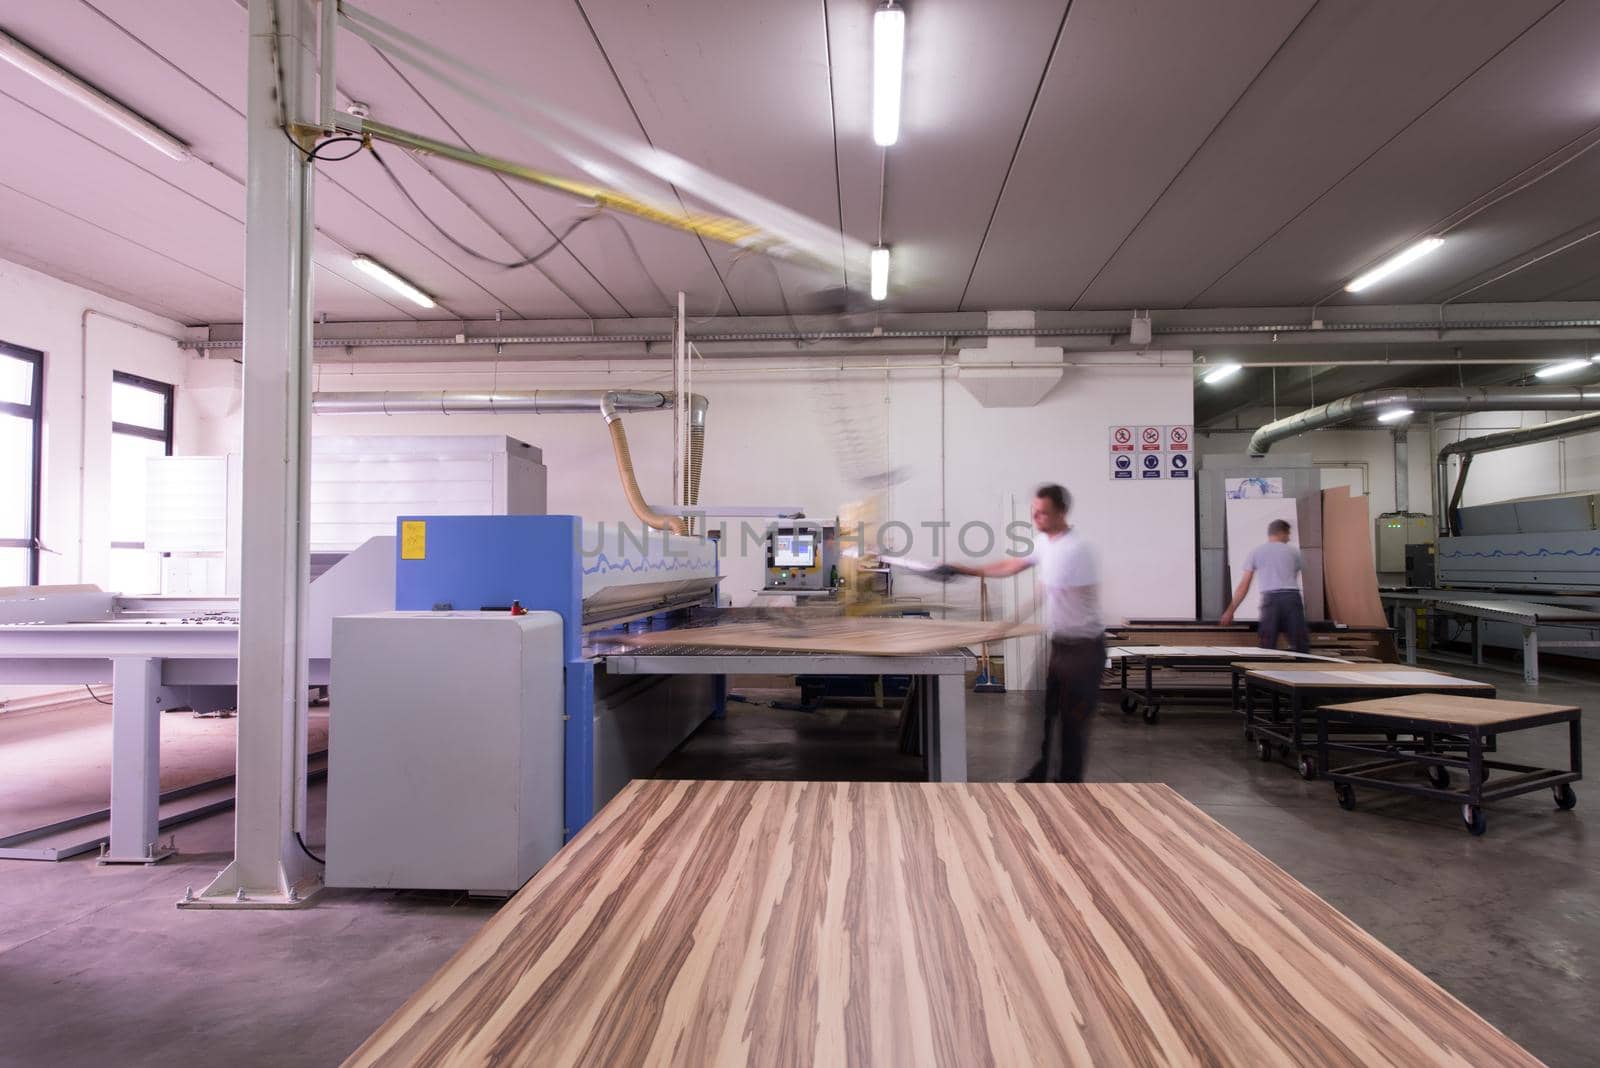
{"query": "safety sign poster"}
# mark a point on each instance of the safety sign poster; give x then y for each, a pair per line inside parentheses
(1143, 452)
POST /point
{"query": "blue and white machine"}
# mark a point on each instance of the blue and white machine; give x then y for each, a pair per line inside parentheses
(594, 577)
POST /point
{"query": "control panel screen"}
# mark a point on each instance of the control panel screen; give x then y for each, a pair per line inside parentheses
(794, 550)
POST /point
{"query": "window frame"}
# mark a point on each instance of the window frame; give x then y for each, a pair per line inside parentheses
(33, 411)
(168, 394)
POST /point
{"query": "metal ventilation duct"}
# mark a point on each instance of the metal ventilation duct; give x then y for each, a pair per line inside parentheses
(1441, 399)
(1467, 448)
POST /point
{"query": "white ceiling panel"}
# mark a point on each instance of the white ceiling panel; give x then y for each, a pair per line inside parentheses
(1149, 154)
(1351, 77)
(79, 251)
(1537, 95)
(971, 74)
(1103, 145)
(1560, 209)
(707, 86)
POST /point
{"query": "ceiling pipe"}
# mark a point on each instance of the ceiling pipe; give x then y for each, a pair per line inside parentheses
(1467, 448)
(1302, 331)
(1441, 399)
(608, 403)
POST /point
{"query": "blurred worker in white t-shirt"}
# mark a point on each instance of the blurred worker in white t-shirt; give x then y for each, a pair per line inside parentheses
(1069, 578)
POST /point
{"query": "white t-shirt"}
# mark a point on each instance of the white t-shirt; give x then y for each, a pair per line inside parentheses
(1070, 581)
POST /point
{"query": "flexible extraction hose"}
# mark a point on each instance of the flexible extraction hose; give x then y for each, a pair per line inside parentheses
(630, 483)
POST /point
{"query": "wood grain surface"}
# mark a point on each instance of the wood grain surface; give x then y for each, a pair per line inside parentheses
(957, 924)
(1452, 709)
(860, 636)
(1375, 676)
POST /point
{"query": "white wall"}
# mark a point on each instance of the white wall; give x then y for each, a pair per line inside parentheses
(808, 437)
(48, 315)
(1568, 465)
(43, 313)
(1344, 453)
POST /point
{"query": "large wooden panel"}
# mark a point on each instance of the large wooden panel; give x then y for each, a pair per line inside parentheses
(923, 924)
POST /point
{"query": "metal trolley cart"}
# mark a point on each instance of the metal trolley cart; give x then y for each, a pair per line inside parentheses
(1474, 719)
(1189, 673)
(1294, 692)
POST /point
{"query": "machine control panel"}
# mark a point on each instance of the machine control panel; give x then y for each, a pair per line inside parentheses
(801, 558)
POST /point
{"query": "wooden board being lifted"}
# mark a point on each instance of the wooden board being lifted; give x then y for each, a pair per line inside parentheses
(938, 924)
(860, 636)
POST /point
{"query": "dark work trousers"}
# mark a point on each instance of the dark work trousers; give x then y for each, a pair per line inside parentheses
(1071, 695)
(1283, 612)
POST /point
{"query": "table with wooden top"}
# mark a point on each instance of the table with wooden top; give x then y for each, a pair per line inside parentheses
(1473, 718)
(951, 924)
(1293, 692)
(1190, 673)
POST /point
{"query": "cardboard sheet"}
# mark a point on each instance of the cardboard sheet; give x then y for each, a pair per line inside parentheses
(1349, 574)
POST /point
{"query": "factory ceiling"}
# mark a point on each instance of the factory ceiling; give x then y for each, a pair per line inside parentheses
(1093, 155)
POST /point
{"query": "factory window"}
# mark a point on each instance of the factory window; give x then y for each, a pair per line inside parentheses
(21, 435)
(141, 427)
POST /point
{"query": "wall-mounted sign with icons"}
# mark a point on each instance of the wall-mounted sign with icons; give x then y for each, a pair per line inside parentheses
(1140, 452)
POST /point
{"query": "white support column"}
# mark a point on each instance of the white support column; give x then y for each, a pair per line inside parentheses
(135, 762)
(269, 869)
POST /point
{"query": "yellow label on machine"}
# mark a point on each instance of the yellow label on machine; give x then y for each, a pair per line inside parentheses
(413, 539)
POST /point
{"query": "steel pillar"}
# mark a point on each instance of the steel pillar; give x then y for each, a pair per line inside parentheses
(269, 870)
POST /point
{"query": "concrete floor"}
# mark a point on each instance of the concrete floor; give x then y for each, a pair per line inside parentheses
(96, 964)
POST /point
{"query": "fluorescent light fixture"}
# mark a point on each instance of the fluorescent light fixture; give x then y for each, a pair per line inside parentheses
(1565, 367)
(1394, 415)
(393, 281)
(75, 88)
(1394, 263)
(888, 63)
(880, 273)
(1219, 372)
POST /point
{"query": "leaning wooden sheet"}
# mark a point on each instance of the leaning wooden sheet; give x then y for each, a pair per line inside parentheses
(861, 637)
(937, 924)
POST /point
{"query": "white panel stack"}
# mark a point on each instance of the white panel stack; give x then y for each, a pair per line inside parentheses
(359, 485)
(445, 750)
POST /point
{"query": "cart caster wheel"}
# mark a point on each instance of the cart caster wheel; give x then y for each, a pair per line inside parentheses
(1439, 776)
(1566, 796)
(1152, 713)
(1346, 796)
(1127, 706)
(1474, 818)
(1308, 767)
(1263, 749)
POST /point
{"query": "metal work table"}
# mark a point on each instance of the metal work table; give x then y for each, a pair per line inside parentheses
(1480, 606)
(1190, 660)
(882, 923)
(1427, 715)
(936, 707)
(1306, 688)
(151, 664)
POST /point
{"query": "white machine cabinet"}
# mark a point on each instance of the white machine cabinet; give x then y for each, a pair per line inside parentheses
(445, 750)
